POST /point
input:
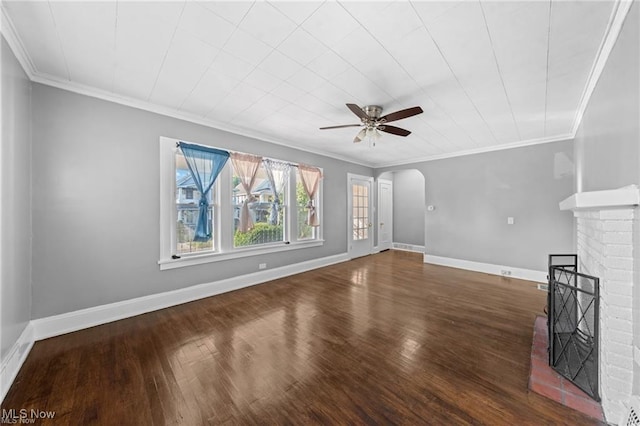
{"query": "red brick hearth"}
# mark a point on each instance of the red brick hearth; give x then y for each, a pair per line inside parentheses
(545, 381)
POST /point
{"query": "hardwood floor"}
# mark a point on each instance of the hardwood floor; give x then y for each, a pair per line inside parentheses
(378, 340)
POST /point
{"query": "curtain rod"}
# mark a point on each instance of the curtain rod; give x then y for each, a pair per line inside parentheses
(238, 152)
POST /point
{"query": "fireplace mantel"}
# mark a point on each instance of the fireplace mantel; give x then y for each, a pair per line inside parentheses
(599, 200)
(608, 247)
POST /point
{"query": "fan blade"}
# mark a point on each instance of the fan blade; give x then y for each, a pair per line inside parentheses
(394, 130)
(340, 127)
(399, 115)
(358, 111)
(360, 136)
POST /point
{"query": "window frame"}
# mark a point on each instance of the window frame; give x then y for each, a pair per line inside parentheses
(223, 228)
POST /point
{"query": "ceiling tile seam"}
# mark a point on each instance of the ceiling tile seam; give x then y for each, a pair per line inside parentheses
(394, 98)
(617, 19)
(46, 83)
(274, 3)
(444, 110)
(64, 56)
(115, 50)
(455, 76)
(305, 66)
(411, 77)
(495, 58)
(381, 89)
(298, 26)
(363, 76)
(93, 92)
(128, 101)
(8, 30)
(426, 122)
(164, 58)
(273, 49)
(235, 30)
(480, 150)
(253, 2)
(546, 85)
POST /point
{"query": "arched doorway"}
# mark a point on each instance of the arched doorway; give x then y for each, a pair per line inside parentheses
(408, 210)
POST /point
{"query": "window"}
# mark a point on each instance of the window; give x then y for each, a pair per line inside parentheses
(279, 213)
(266, 204)
(305, 231)
(187, 210)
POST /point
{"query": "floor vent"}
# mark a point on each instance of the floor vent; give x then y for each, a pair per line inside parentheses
(633, 415)
(543, 287)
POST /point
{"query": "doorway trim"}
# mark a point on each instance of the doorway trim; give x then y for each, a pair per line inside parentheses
(379, 211)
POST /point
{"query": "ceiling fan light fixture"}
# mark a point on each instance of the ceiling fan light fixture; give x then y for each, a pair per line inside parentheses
(372, 135)
(371, 132)
(372, 123)
(360, 136)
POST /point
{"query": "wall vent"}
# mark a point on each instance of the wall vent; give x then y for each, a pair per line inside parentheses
(633, 415)
(543, 287)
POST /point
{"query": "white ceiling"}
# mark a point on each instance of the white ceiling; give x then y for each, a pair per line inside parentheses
(485, 73)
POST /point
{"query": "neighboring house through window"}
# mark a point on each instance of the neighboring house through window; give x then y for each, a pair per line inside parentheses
(251, 196)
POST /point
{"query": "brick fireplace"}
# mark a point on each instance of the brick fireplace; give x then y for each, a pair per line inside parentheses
(608, 247)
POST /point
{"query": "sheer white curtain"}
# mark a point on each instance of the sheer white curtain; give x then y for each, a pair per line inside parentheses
(246, 167)
(278, 175)
(311, 182)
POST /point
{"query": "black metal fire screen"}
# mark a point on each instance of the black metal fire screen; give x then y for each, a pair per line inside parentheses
(573, 302)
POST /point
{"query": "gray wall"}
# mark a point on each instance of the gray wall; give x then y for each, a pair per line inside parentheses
(408, 207)
(96, 199)
(608, 139)
(15, 193)
(473, 195)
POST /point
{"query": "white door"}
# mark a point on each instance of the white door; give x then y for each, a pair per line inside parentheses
(385, 214)
(360, 215)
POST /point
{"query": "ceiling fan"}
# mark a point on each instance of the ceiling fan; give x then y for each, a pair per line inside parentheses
(371, 121)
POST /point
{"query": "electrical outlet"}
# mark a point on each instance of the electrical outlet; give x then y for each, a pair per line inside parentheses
(505, 272)
(262, 266)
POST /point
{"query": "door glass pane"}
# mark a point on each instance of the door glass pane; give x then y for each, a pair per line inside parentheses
(360, 201)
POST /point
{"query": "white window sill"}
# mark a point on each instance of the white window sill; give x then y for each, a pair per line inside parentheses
(198, 259)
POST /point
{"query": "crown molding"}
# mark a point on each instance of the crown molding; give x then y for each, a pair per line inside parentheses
(81, 89)
(512, 145)
(10, 34)
(616, 21)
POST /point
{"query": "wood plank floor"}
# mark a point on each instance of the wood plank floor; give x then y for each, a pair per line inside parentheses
(383, 339)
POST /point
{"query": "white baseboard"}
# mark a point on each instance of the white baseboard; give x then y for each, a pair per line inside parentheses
(77, 320)
(408, 247)
(14, 359)
(488, 268)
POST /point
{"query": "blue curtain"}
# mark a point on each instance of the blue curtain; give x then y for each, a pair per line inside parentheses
(205, 164)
